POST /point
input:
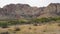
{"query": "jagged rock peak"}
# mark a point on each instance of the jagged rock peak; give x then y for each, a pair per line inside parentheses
(54, 4)
(11, 5)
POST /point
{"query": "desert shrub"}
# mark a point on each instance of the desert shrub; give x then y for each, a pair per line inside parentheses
(4, 33)
(52, 19)
(45, 20)
(58, 24)
(30, 28)
(17, 29)
(23, 21)
(35, 24)
(40, 20)
(4, 25)
(33, 21)
(13, 22)
(44, 31)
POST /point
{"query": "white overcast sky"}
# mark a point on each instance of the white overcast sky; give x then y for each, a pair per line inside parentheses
(38, 3)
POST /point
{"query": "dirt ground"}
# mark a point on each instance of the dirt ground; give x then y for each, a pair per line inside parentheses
(53, 28)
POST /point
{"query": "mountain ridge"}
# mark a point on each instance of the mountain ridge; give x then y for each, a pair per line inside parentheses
(17, 11)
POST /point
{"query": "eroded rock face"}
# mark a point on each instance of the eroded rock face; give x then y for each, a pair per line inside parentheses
(52, 10)
(13, 11)
(16, 11)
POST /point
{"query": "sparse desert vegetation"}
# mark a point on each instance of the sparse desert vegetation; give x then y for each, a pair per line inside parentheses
(30, 29)
(37, 26)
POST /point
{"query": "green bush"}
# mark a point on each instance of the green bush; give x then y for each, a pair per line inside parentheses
(23, 21)
(4, 25)
(13, 22)
(40, 20)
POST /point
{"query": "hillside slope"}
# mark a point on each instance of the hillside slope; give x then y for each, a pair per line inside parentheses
(17, 11)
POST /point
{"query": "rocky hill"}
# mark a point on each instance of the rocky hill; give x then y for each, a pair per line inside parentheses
(52, 10)
(17, 11)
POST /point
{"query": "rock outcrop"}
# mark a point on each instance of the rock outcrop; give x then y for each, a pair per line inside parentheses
(52, 10)
(17, 11)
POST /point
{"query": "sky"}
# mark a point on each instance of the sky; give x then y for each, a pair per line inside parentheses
(38, 3)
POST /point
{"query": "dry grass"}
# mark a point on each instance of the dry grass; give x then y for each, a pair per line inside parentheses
(43, 29)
